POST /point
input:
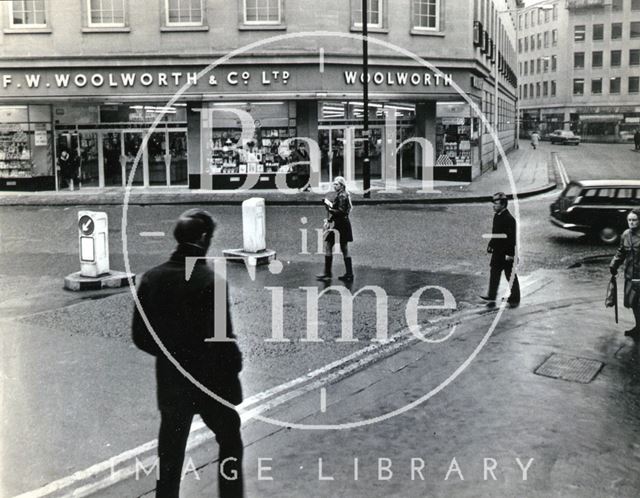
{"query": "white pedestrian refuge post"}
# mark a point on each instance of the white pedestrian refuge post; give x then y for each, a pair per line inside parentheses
(254, 245)
(93, 244)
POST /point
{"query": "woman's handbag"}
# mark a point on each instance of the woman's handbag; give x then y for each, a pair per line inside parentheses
(611, 300)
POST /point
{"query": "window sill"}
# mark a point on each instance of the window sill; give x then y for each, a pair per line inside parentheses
(110, 29)
(27, 31)
(174, 29)
(371, 29)
(426, 32)
(262, 27)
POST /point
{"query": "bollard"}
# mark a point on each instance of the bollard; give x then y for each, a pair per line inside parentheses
(93, 244)
(254, 246)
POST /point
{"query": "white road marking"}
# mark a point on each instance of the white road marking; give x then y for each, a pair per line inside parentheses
(323, 399)
(564, 177)
(152, 234)
(494, 235)
(200, 434)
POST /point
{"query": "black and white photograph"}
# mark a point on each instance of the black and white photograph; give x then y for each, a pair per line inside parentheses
(336, 248)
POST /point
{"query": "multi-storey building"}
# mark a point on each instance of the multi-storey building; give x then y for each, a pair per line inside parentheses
(579, 67)
(226, 83)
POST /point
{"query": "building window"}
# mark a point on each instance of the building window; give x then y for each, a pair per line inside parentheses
(596, 58)
(106, 13)
(546, 39)
(579, 33)
(546, 16)
(634, 84)
(616, 4)
(598, 32)
(538, 66)
(634, 57)
(533, 19)
(616, 30)
(554, 37)
(537, 89)
(519, 45)
(262, 12)
(578, 60)
(634, 32)
(374, 15)
(614, 85)
(553, 88)
(616, 58)
(554, 63)
(555, 11)
(596, 86)
(578, 86)
(539, 45)
(183, 12)
(635, 4)
(526, 21)
(526, 43)
(530, 90)
(520, 21)
(526, 96)
(545, 89)
(526, 67)
(545, 64)
(426, 14)
(28, 13)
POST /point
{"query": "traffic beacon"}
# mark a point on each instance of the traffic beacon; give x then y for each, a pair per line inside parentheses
(254, 250)
(93, 233)
(93, 242)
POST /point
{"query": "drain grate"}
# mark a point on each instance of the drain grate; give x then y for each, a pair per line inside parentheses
(570, 368)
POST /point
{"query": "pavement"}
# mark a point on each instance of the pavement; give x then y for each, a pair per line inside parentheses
(416, 418)
(526, 172)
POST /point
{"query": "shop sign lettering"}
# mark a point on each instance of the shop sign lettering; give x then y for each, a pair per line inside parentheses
(398, 78)
(128, 79)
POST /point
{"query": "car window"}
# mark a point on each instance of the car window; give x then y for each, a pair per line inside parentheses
(590, 192)
(606, 193)
(572, 191)
(626, 193)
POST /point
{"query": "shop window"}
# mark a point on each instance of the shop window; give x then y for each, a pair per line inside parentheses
(184, 12)
(266, 12)
(614, 85)
(426, 15)
(578, 86)
(596, 86)
(579, 33)
(596, 58)
(578, 60)
(598, 32)
(105, 13)
(27, 14)
(634, 31)
(553, 88)
(616, 58)
(634, 57)
(616, 30)
(634, 84)
(554, 37)
(375, 14)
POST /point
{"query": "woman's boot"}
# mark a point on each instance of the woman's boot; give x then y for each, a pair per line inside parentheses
(328, 260)
(348, 276)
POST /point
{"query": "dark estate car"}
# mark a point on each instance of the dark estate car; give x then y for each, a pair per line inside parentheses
(563, 137)
(598, 207)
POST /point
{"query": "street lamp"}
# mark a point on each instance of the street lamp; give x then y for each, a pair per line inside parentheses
(366, 171)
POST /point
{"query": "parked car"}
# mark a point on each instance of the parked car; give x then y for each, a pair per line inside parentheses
(597, 207)
(564, 137)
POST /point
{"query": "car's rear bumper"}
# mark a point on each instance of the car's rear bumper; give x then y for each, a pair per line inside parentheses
(569, 226)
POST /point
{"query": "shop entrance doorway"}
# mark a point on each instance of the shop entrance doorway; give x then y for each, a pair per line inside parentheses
(163, 161)
(342, 151)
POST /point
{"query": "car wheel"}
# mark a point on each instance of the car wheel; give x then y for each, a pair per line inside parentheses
(608, 235)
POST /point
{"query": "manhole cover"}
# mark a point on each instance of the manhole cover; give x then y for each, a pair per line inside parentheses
(570, 368)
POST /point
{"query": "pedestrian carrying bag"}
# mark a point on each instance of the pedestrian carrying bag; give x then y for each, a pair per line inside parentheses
(611, 300)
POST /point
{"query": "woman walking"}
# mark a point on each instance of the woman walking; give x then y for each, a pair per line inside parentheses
(629, 254)
(338, 223)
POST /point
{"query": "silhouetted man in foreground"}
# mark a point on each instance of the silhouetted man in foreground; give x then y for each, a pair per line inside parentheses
(182, 313)
(502, 248)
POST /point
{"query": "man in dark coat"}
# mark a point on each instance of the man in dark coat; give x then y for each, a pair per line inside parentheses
(636, 139)
(181, 311)
(502, 248)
